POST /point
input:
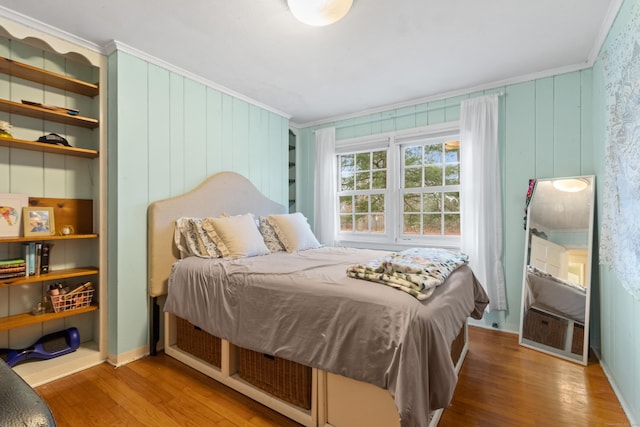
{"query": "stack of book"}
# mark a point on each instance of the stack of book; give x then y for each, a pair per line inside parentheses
(36, 257)
(11, 268)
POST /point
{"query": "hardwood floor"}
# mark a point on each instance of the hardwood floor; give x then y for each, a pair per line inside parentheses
(501, 384)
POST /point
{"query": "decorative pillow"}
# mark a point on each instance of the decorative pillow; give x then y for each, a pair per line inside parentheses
(235, 236)
(192, 240)
(294, 231)
(269, 235)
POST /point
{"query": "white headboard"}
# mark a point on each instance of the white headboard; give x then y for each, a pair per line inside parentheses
(222, 193)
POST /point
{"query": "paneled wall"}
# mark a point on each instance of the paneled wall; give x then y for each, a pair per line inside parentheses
(167, 134)
(545, 131)
(620, 318)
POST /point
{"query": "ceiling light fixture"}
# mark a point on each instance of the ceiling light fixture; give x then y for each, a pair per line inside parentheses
(319, 12)
(570, 185)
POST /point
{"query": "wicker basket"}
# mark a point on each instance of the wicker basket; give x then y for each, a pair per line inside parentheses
(199, 343)
(577, 342)
(282, 378)
(72, 301)
(544, 328)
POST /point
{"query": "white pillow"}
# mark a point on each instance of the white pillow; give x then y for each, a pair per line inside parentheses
(236, 236)
(294, 231)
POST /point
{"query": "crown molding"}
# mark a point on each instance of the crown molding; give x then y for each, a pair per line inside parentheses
(607, 23)
(22, 26)
(115, 45)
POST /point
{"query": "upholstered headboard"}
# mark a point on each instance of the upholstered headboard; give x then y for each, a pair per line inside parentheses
(222, 193)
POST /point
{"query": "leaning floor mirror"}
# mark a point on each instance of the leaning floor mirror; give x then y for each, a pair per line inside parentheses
(556, 285)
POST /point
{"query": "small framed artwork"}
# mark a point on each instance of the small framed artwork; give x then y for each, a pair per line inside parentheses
(11, 213)
(38, 221)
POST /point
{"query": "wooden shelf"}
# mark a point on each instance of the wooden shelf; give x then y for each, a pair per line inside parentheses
(47, 238)
(48, 148)
(49, 78)
(46, 114)
(25, 319)
(52, 275)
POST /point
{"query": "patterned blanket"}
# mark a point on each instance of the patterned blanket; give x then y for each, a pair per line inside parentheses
(416, 271)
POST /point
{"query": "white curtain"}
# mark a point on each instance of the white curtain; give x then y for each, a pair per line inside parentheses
(480, 205)
(325, 186)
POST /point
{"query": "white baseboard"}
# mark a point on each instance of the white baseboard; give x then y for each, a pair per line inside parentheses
(625, 406)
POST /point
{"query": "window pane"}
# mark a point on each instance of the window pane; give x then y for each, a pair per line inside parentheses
(346, 204)
(377, 223)
(363, 161)
(379, 180)
(346, 181)
(432, 176)
(379, 159)
(432, 224)
(413, 156)
(363, 180)
(452, 151)
(362, 222)
(452, 202)
(452, 224)
(452, 174)
(411, 224)
(412, 177)
(346, 163)
(432, 202)
(377, 203)
(412, 202)
(433, 154)
(362, 204)
(346, 223)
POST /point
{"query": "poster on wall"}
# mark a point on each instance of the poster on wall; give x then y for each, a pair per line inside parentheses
(620, 234)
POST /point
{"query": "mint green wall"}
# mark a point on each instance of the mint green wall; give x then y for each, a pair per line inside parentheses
(166, 134)
(545, 131)
(620, 318)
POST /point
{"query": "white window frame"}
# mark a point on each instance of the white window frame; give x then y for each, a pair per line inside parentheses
(393, 237)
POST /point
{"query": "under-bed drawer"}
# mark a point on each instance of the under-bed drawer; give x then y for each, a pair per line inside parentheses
(282, 378)
(199, 343)
(544, 328)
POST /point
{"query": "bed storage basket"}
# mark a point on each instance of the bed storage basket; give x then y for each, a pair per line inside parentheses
(197, 342)
(282, 378)
(577, 341)
(544, 328)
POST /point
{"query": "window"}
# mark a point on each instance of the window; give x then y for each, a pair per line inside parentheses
(362, 193)
(406, 191)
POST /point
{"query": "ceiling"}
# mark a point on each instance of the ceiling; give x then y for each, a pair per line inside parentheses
(382, 53)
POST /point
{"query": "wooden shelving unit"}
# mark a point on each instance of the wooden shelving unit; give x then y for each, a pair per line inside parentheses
(52, 275)
(25, 319)
(46, 114)
(48, 78)
(82, 259)
(48, 148)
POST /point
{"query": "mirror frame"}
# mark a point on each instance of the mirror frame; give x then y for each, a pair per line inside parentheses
(566, 352)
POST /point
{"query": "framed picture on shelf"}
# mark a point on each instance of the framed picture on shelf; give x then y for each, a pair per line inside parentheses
(38, 221)
(11, 206)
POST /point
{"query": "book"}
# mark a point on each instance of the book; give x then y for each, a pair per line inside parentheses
(38, 253)
(25, 254)
(32, 258)
(22, 268)
(11, 275)
(44, 258)
(11, 262)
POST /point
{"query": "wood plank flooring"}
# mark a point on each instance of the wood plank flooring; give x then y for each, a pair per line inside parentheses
(501, 384)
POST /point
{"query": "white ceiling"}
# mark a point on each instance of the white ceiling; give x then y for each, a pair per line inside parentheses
(384, 52)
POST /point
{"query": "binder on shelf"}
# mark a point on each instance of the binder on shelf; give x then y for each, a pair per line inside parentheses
(38, 253)
(44, 258)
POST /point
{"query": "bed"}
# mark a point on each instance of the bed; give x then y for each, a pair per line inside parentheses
(349, 341)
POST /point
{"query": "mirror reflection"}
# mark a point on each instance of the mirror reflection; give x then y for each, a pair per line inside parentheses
(556, 283)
